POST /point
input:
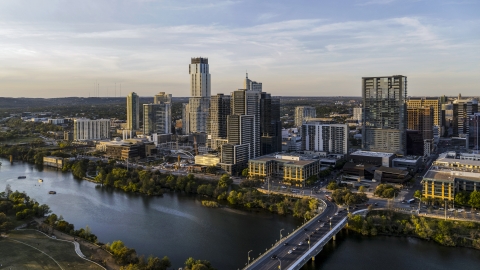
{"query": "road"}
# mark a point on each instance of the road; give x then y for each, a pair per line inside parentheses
(316, 229)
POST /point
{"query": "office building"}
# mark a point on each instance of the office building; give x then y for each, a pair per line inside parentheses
(374, 158)
(304, 113)
(475, 131)
(463, 108)
(330, 138)
(86, 129)
(157, 118)
(426, 102)
(217, 120)
(421, 119)
(293, 170)
(384, 114)
(452, 173)
(250, 85)
(270, 125)
(133, 111)
(196, 113)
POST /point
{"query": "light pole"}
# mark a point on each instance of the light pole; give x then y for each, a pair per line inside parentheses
(308, 241)
(330, 224)
(281, 233)
(280, 266)
(248, 256)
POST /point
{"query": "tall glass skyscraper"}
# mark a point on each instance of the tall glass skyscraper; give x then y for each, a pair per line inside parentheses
(133, 111)
(384, 114)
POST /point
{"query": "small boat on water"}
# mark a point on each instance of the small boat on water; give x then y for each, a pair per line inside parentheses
(40, 180)
(52, 192)
(22, 177)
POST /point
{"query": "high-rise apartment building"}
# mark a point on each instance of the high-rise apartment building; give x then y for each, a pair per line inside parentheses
(217, 120)
(303, 113)
(384, 114)
(198, 105)
(246, 102)
(331, 138)
(157, 118)
(86, 129)
(133, 111)
(463, 108)
(358, 114)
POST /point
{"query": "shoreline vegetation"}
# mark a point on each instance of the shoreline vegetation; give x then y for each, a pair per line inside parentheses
(444, 232)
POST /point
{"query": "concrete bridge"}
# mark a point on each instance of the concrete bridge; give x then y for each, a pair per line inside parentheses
(306, 242)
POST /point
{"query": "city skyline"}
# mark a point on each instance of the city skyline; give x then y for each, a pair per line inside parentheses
(63, 49)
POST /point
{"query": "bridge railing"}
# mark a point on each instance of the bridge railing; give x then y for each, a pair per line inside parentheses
(267, 252)
(311, 252)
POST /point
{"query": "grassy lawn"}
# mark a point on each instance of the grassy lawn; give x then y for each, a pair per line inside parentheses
(20, 256)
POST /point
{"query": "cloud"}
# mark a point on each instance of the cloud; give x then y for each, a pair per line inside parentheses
(146, 57)
(376, 2)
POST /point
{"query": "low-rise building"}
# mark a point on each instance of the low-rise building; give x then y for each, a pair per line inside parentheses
(412, 163)
(374, 158)
(51, 161)
(293, 170)
(452, 173)
(207, 160)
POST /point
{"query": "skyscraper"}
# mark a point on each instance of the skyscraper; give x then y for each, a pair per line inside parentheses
(270, 125)
(133, 114)
(200, 82)
(217, 120)
(161, 97)
(252, 85)
(196, 112)
(303, 113)
(425, 102)
(384, 114)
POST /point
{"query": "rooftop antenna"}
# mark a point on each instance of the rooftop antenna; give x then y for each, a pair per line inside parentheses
(246, 71)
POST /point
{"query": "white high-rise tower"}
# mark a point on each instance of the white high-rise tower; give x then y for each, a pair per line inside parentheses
(198, 105)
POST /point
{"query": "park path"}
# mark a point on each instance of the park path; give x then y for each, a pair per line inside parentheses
(69, 239)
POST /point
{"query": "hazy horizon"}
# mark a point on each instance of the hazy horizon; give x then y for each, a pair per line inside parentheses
(60, 48)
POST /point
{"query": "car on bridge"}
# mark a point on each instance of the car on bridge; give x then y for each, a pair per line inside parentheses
(301, 243)
(290, 251)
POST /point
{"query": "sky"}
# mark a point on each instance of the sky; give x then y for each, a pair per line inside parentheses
(64, 48)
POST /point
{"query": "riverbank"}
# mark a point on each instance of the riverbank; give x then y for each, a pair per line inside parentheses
(444, 232)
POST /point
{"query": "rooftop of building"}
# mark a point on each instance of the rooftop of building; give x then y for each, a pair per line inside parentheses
(407, 159)
(278, 158)
(466, 159)
(371, 154)
(451, 175)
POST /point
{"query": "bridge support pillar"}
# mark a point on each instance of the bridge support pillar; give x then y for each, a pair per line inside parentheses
(334, 237)
(313, 258)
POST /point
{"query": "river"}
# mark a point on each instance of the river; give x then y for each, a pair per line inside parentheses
(178, 226)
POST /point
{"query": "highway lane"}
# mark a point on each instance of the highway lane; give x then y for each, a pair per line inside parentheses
(281, 251)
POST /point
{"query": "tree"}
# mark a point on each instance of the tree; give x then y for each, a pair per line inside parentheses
(361, 189)
(225, 181)
(462, 198)
(211, 169)
(311, 180)
(417, 194)
(474, 200)
(245, 172)
(332, 185)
